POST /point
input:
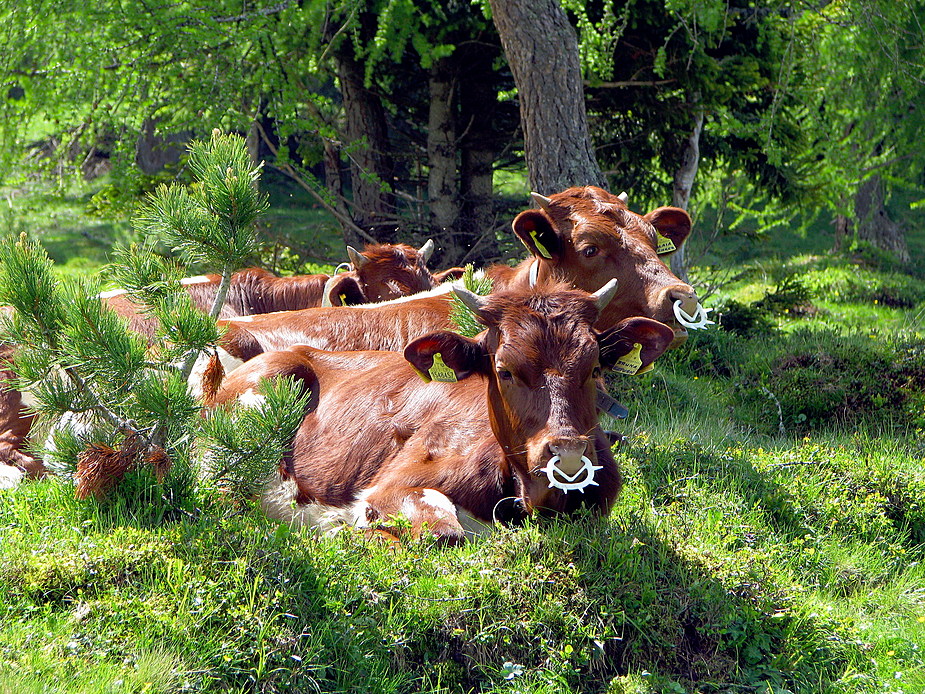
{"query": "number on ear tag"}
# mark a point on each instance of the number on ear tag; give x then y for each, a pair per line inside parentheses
(630, 362)
(440, 371)
(663, 245)
(539, 246)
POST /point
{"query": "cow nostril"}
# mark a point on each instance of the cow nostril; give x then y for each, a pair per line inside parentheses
(686, 296)
(568, 447)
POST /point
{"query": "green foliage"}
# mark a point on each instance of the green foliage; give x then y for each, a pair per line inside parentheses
(246, 443)
(213, 222)
(128, 415)
(460, 314)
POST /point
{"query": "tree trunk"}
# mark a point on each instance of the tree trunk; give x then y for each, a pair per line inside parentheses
(842, 230)
(542, 50)
(442, 186)
(478, 144)
(154, 152)
(370, 165)
(874, 224)
(684, 182)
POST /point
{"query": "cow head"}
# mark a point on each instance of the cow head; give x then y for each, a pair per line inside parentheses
(390, 271)
(586, 237)
(542, 359)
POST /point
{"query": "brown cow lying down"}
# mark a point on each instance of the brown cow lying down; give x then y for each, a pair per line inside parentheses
(582, 236)
(15, 423)
(380, 272)
(505, 415)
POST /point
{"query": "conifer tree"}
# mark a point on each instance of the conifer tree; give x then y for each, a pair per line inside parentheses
(123, 408)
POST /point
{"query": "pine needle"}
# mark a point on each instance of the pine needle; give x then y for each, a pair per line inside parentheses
(468, 325)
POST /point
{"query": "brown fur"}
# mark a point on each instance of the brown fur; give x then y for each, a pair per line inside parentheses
(578, 218)
(15, 420)
(390, 271)
(375, 430)
(393, 271)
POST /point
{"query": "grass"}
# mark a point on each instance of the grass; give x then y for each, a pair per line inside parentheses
(739, 557)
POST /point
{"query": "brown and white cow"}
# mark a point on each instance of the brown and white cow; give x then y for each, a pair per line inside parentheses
(380, 272)
(377, 443)
(582, 236)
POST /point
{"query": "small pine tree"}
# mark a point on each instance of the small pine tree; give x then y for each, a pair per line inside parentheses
(123, 408)
(462, 315)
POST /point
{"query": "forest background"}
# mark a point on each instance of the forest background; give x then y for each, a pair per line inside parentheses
(770, 535)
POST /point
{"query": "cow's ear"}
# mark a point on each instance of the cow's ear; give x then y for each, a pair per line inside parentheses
(672, 224)
(454, 273)
(446, 356)
(536, 232)
(343, 290)
(633, 344)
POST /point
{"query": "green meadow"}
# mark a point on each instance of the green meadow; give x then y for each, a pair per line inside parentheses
(769, 537)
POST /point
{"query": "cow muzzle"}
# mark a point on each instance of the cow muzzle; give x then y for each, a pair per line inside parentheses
(568, 468)
(687, 313)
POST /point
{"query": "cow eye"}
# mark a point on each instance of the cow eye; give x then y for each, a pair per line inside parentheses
(505, 375)
(589, 251)
(597, 372)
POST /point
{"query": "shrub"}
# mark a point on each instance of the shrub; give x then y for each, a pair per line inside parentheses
(822, 378)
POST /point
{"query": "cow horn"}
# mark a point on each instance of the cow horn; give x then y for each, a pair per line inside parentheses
(472, 301)
(357, 258)
(623, 196)
(427, 250)
(541, 200)
(603, 295)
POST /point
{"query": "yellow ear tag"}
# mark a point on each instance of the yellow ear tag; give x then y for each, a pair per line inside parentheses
(646, 369)
(540, 247)
(663, 245)
(343, 299)
(630, 362)
(440, 371)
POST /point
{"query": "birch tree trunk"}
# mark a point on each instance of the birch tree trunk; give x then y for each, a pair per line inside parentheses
(684, 183)
(442, 184)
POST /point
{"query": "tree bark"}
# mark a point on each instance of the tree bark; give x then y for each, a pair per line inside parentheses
(874, 224)
(842, 231)
(478, 145)
(442, 184)
(684, 179)
(370, 165)
(542, 50)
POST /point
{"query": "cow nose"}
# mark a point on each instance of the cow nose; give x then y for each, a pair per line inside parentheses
(570, 452)
(686, 295)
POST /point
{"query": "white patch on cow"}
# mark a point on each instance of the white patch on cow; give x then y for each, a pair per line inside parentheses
(250, 398)
(356, 513)
(439, 290)
(10, 476)
(470, 524)
(194, 382)
(438, 500)
(80, 424)
(278, 501)
(111, 293)
(28, 399)
(198, 279)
